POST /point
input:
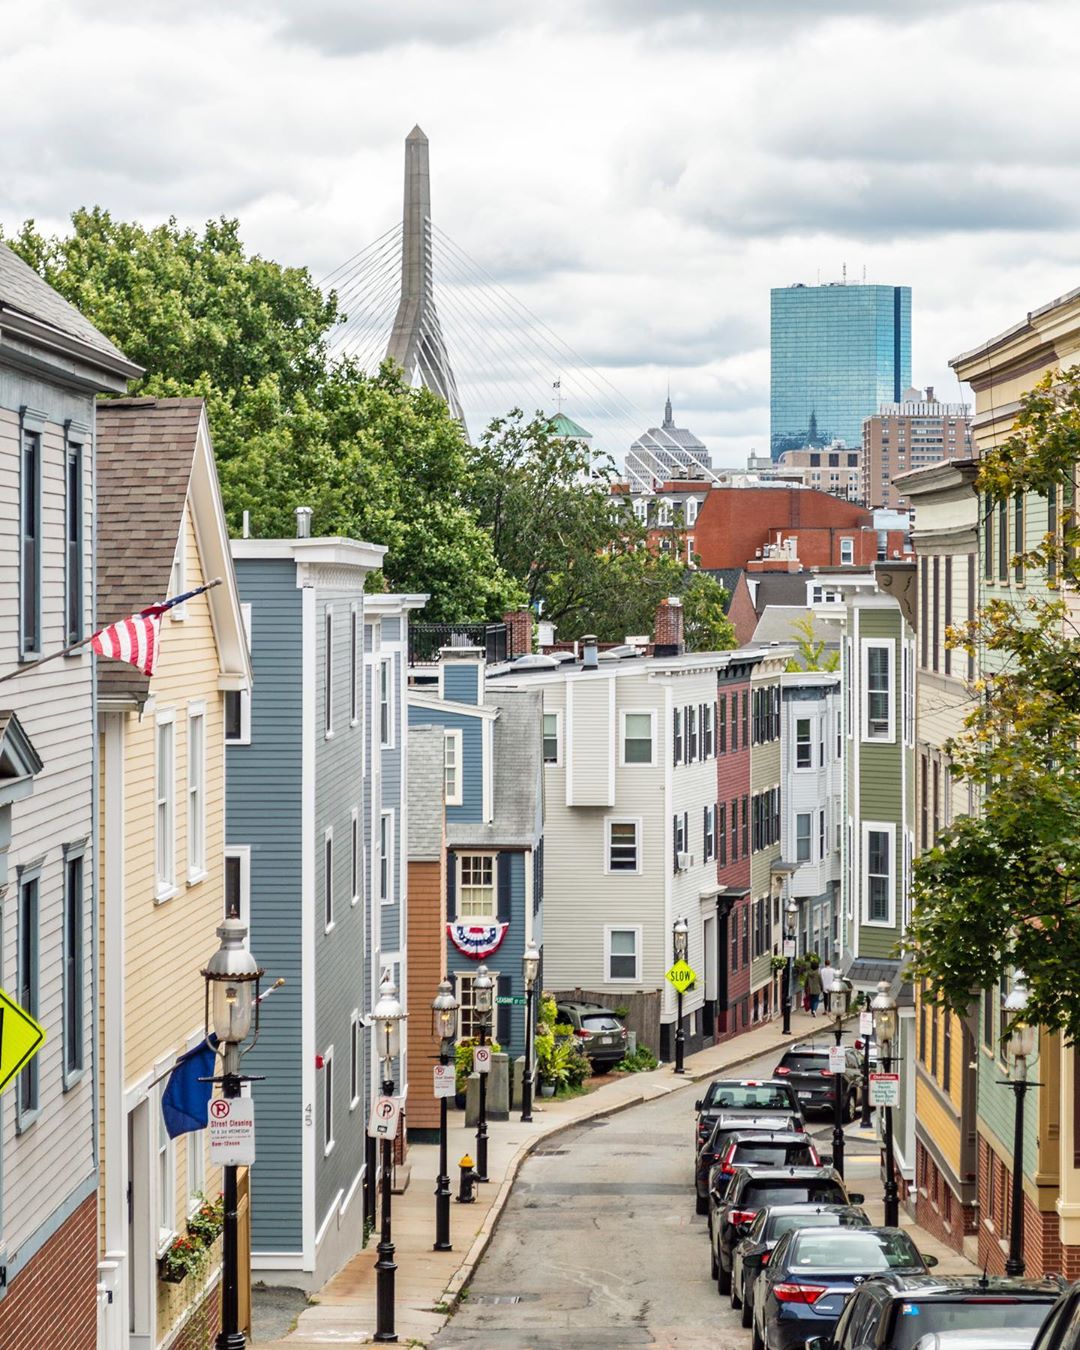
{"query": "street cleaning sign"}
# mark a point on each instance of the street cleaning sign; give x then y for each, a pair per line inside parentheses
(445, 1080)
(231, 1122)
(681, 976)
(20, 1039)
(884, 1089)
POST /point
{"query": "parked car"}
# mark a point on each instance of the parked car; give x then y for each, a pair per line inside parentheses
(600, 1031)
(813, 1270)
(733, 1209)
(806, 1068)
(715, 1147)
(744, 1097)
(752, 1253)
(894, 1312)
(1061, 1330)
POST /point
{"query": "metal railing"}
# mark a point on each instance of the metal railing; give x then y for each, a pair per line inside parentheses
(426, 640)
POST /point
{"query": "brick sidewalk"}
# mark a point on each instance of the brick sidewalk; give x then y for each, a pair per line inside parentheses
(428, 1282)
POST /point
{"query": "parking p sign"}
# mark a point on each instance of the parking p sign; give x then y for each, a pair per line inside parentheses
(383, 1121)
(481, 1058)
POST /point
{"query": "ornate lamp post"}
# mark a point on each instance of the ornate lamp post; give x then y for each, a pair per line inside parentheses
(791, 922)
(1019, 1049)
(444, 1020)
(839, 1000)
(885, 1024)
(232, 999)
(387, 1017)
(483, 1003)
(530, 968)
(680, 940)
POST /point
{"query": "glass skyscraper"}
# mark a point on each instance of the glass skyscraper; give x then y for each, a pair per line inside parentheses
(838, 352)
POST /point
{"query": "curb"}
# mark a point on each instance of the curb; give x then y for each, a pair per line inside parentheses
(460, 1278)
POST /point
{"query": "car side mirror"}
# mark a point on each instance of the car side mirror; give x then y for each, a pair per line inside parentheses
(856, 1198)
(698, 1105)
(742, 1229)
(818, 1343)
(929, 1261)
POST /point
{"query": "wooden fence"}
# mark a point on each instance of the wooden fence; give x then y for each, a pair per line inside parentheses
(642, 1011)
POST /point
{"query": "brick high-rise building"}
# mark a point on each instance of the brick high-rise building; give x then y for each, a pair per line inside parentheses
(917, 431)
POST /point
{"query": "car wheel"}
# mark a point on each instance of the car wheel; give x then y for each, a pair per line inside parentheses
(757, 1342)
(723, 1278)
(714, 1269)
(747, 1308)
(701, 1205)
(736, 1301)
(850, 1109)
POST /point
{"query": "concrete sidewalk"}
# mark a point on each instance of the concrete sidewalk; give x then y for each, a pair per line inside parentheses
(427, 1282)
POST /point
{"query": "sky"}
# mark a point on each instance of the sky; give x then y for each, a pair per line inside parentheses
(638, 173)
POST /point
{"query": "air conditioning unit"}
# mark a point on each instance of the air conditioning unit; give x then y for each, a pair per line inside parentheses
(684, 861)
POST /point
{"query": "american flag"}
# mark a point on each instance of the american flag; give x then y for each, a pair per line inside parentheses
(135, 639)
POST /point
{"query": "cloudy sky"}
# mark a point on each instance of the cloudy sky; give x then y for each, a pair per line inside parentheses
(638, 173)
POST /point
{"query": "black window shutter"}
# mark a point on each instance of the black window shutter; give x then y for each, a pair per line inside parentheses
(705, 832)
(451, 886)
(503, 888)
(503, 1011)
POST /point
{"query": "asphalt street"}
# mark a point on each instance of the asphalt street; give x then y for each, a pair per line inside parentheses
(599, 1246)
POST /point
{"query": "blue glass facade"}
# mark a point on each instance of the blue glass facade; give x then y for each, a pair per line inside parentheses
(838, 352)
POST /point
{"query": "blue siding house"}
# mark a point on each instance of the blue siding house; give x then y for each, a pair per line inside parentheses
(494, 830)
(297, 803)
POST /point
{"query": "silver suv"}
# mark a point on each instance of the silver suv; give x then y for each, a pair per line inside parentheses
(599, 1032)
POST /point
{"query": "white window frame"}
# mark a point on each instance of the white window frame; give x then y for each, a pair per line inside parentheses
(356, 856)
(328, 1102)
(195, 1147)
(710, 833)
(808, 816)
(164, 1175)
(356, 663)
(464, 989)
(196, 793)
(243, 695)
(808, 766)
(452, 737)
(887, 828)
(386, 857)
(328, 673)
(242, 853)
(459, 887)
(649, 763)
(328, 879)
(691, 511)
(610, 928)
(386, 701)
(847, 545)
(355, 1060)
(178, 574)
(165, 840)
(555, 763)
(636, 821)
(868, 645)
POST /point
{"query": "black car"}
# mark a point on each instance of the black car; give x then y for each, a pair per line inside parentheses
(733, 1208)
(806, 1068)
(893, 1312)
(744, 1097)
(1061, 1330)
(752, 1254)
(715, 1147)
(802, 1293)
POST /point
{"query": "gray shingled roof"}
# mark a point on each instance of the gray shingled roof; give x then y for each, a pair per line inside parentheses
(518, 750)
(23, 290)
(145, 451)
(777, 624)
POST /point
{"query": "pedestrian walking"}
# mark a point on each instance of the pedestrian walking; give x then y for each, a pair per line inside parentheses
(828, 974)
(812, 986)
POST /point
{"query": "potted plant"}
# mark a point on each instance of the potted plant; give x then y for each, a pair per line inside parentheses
(552, 1061)
(187, 1256)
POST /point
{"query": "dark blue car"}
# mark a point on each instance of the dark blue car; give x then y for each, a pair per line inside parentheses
(801, 1293)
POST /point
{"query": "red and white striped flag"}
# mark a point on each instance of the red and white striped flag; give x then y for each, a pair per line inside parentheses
(135, 640)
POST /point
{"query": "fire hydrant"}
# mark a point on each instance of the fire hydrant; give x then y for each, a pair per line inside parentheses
(467, 1182)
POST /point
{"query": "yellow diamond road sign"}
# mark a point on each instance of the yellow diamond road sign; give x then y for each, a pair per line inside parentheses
(681, 976)
(20, 1039)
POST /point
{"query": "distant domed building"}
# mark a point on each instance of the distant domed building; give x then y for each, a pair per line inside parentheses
(665, 450)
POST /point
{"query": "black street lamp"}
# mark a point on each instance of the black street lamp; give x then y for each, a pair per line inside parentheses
(232, 999)
(444, 1020)
(483, 1003)
(839, 997)
(1020, 1048)
(680, 940)
(791, 922)
(885, 1026)
(387, 1016)
(530, 968)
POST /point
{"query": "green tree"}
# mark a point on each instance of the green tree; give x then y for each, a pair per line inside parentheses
(1001, 892)
(706, 624)
(812, 651)
(373, 458)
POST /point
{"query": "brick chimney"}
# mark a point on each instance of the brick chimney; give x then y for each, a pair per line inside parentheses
(519, 623)
(668, 628)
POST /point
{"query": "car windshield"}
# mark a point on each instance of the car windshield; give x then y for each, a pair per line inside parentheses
(749, 1154)
(742, 1096)
(792, 1192)
(724, 1129)
(913, 1319)
(864, 1253)
(599, 1022)
(780, 1224)
(805, 1063)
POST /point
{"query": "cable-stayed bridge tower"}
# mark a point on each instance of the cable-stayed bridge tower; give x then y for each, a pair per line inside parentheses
(416, 339)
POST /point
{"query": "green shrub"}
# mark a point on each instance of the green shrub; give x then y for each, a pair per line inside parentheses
(547, 1014)
(463, 1059)
(553, 1058)
(578, 1067)
(641, 1061)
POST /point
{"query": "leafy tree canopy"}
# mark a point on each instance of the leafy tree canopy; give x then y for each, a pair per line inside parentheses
(812, 652)
(1001, 892)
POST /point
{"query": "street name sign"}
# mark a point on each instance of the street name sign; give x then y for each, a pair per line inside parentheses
(837, 1059)
(481, 1058)
(884, 1089)
(20, 1039)
(383, 1122)
(445, 1080)
(681, 976)
(232, 1131)
(510, 1000)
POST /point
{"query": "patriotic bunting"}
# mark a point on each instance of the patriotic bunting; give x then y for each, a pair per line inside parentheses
(477, 940)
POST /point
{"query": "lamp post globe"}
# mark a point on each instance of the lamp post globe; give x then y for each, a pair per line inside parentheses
(680, 945)
(883, 1008)
(387, 1017)
(444, 1023)
(530, 969)
(680, 938)
(483, 1004)
(1019, 1049)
